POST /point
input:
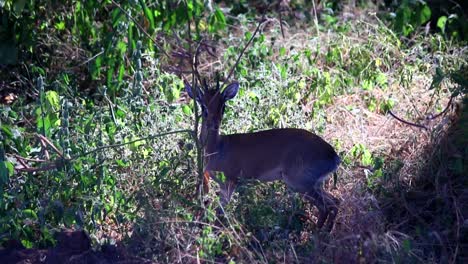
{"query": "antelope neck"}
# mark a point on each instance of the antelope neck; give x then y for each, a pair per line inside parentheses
(212, 142)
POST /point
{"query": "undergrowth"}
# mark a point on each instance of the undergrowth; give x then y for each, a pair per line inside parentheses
(87, 147)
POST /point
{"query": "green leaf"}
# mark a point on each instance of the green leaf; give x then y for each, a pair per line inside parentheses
(148, 14)
(7, 130)
(119, 113)
(10, 167)
(18, 6)
(190, 8)
(437, 79)
(4, 171)
(116, 16)
(89, 124)
(27, 243)
(121, 73)
(172, 92)
(254, 96)
(111, 129)
(54, 99)
(221, 177)
(186, 110)
(220, 19)
(247, 35)
(110, 73)
(96, 68)
(131, 41)
(387, 105)
(121, 47)
(121, 163)
(424, 15)
(60, 25)
(282, 51)
(381, 79)
(367, 85)
(441, 23)
(29, 213)
(43, 124)
(366, 158)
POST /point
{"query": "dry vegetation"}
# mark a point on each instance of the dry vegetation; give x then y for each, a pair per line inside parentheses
(379, 219)
(403, 195)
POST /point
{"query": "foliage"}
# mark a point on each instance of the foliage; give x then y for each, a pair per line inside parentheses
(85, 144)
(410, 15)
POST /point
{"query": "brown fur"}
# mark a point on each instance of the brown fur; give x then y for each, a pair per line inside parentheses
(298, 157)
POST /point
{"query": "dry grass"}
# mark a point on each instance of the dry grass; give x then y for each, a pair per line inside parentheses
(377, 223)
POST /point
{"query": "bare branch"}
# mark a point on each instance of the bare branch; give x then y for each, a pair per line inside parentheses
(432, 117)
(133, 141)
(407, 122)
(280, 9)
(48, 167)
(47, 141)
(243, 50)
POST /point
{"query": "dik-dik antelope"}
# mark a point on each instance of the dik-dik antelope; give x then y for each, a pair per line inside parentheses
(298, 157)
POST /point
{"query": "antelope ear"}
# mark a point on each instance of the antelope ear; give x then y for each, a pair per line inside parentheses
(230, 91)
(188, 89)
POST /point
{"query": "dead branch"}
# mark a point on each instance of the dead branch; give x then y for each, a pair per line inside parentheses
(407, 122)
(243, 50)
(432, 117)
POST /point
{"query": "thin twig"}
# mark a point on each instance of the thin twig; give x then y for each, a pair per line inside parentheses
(195, 91)
(92, 58)
(430, 117)
(22, 162)
(243, 50)
(53, 165)
(280, 18)
(189, 131)
(44, 150)
(48, 167)
(315, 18)
(27, 159)
(46, 140)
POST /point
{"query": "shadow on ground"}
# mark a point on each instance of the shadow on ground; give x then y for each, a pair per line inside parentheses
(432, 208)
(72, 247)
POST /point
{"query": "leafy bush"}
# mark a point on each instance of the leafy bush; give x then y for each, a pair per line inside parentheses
(101, 136)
